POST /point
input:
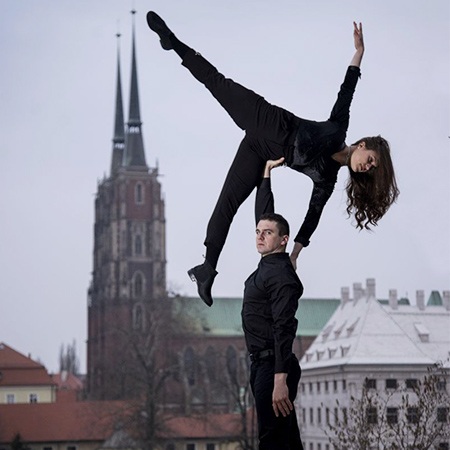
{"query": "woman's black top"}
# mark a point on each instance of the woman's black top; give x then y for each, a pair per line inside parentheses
(314, 145)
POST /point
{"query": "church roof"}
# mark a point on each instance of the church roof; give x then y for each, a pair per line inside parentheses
(224, 318)
(364, 331)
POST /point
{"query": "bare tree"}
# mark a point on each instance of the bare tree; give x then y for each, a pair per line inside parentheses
(414, 416)
(68, 359)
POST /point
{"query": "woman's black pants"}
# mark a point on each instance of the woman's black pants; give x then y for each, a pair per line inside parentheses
(269, 134)
(275, 433)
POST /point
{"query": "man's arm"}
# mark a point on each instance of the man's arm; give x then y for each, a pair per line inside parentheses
(284, 289)
(264, 202)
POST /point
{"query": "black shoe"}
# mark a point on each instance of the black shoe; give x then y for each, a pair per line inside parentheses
(161, 29)
(204, 276)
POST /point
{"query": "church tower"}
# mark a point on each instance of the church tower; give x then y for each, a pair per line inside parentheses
(129, 266)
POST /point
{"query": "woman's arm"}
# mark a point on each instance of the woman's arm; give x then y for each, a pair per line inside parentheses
(359, 45)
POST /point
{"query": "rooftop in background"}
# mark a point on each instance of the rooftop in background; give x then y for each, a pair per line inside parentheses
(224, 317)
(17, 369)
(364, 331)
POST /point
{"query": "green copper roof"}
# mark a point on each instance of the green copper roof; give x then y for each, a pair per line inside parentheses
(224, 317)
(435, 299)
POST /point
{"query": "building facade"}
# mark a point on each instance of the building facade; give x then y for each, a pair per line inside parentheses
(129, 263)
(373, 346)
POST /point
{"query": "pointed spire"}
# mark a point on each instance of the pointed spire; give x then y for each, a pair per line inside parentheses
(119, 127)
(134, 156)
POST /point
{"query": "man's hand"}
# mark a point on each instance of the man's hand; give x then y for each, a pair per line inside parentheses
(280, 396)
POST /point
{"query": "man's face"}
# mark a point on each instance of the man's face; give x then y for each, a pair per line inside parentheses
(268, 239)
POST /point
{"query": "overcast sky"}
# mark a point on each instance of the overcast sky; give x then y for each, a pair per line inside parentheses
(57, 90)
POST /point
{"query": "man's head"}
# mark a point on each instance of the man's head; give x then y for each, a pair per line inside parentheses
(272, 234)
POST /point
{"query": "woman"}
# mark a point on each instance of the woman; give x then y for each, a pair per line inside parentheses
(317, 149)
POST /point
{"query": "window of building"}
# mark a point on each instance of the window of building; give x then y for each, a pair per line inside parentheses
(189, 366)
(139, 194)
(441, 385)
(210, 357)
(302, 385)
(311, 416)
(336, 415)
(371, 414)
(344, 385)
(327, 415)
(138, 285)
(326, 386)
(10, 398)
(33, 398)
(232, 363)
(138, 245)
(442, 415)
(310, 387)
(391, 383)
(318, 387)
(319, 415)
(210, 446)
(304, 415)
(319, 446)
(412, 415)
(138, 319)
(370, 383)
(190, 446)
(311, 446)
(411, 383)
(334, 385)
(327, 446)
(392, 415)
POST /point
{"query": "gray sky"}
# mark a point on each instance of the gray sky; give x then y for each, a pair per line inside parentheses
(57, 85)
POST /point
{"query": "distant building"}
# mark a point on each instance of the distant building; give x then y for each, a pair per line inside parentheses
(365, 341)
(23, 380)
(129, 264)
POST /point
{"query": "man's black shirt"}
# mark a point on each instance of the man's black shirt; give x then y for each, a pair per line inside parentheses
(268, 313)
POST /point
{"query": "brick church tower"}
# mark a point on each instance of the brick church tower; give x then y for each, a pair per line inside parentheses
(129, 267)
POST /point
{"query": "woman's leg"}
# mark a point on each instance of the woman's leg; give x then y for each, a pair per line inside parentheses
(243, 176)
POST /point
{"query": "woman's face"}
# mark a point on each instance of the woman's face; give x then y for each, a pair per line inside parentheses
(363, 159)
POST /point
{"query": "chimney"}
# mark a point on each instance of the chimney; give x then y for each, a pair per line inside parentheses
(345, 295)
(420, 300)
(446, 300)
(393, 301)
(370, 284)
(357, 291)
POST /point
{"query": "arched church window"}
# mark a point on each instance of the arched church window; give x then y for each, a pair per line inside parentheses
(139, 193)
(231, 359)
(189, 365)
(138, 320)
(138, 245)
(138, 285)
(210, 359)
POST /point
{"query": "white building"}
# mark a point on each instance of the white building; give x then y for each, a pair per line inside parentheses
(364, 339)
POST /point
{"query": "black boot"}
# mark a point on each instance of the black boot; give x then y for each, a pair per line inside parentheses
(204, 276)
(161, 29)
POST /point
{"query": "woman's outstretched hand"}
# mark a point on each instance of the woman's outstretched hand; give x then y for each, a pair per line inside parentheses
(359, 44)
(358, 37)
(271, 164)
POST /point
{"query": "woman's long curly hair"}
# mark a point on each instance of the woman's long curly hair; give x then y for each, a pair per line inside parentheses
(370, 194)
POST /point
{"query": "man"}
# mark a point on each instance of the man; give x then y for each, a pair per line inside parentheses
(268, 318)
